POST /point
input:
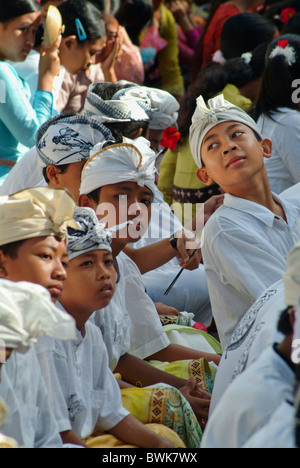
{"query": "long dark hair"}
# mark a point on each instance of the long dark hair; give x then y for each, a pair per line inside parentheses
(243, 33)
(90, 18)
(135, 15)
(14, 8)
(212, 80)
(276, 89)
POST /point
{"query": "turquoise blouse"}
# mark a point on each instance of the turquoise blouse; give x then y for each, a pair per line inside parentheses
(19, 120)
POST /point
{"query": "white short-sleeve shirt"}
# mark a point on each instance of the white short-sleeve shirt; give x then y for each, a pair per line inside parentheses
(244, 252)
(83, 392)
(147, 335)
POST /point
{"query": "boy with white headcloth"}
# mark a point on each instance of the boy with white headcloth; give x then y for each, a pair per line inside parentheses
(266, 384)
(32, 249)
(247, 240)
(26, 314)
(86, 397)
(63, 144)
(104, 102)
(114, 171)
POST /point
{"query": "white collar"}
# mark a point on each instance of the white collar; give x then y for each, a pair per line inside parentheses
(262, 213)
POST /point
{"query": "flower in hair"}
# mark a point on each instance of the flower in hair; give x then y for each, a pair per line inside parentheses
(171, 137)
(247, 57)
(286, 14)
(284, 49)
(283, 44)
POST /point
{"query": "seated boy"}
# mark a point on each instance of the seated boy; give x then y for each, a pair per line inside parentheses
(250, 401)
(131, 165)
(267, 382)
(63, 144)
(104, 102)
(86, 397)
(247, 240)
(32, 249)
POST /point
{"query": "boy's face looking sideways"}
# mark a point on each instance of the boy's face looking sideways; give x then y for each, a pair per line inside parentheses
(122, 202)
(90, 284)
(232, 155)
(40, 260)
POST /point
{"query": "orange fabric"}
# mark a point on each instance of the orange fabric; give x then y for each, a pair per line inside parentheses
(213, 32)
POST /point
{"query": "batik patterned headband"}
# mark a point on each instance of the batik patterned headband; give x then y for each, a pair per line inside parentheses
(92, 234)
(70, 139)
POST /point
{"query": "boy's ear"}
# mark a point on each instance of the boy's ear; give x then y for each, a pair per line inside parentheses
(267, 148)
(136, 133)
(52, 172)
(203, 176)
(3, 271)
(87, 202)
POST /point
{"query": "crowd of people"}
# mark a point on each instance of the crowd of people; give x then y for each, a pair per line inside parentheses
(150, 224)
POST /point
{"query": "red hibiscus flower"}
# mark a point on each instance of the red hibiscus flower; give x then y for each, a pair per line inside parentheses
(170, 138)
(286, 14)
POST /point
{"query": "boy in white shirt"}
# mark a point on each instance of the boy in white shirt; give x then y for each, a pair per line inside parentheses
(32, 249)
(247, 240)
(85, 396)
(262, 388)
(250, 401)
(26, 314)
(131, 163)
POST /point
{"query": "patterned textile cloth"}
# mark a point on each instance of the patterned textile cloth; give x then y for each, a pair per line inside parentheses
(163, 404)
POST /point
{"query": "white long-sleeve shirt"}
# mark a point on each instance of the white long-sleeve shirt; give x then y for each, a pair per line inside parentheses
(244, 252)
(250, 401)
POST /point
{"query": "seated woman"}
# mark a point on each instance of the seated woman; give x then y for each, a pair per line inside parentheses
(19, 120)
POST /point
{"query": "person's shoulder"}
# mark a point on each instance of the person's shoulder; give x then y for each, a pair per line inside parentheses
(226, 215)
(49, 345)
(292, 195)
(7, 71)
(217, 222)
(285, 116)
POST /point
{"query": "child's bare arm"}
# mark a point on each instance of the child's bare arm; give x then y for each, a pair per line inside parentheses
(155, 255)
(175, 352)
(133, 432)
(141, 373)
(69, 437)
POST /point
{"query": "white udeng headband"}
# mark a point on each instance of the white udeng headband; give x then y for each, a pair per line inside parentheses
(283, 48)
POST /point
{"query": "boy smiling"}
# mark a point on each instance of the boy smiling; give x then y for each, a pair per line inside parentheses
(247, 240)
